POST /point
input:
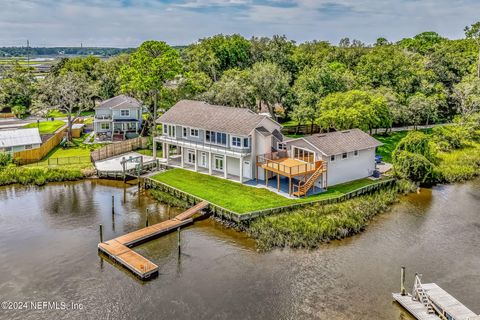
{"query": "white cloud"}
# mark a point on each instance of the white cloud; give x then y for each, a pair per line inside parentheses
(129, 22)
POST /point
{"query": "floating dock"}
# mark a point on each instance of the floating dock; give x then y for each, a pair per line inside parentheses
(430, 302)
(119, 249)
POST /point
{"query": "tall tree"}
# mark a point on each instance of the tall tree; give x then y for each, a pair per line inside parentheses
(467, 95)
(17, 86)
(69, 93)
(354, 109)
(422, 109)
(147, 72)
(233, 89)
(270, 84)
(473, 32)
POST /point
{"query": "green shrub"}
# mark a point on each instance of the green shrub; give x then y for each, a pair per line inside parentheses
(5, 159)
(38, 176)
(418, 143)
(413, 166)
(19, 111)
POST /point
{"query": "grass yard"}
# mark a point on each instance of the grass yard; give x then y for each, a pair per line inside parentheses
(46, 127)
(149, 152)
(56, 114)
(389, 141)
(241, 198)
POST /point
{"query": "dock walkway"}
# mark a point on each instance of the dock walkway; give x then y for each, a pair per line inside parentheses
(119, 249)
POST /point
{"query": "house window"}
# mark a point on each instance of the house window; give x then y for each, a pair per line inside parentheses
(344, 155)
(105, 126)
(169, 130)
(125, 113)
(216, 137)
(246, 142)
(203, 159)
(332, 158)
(28, 146)
(185, 130)
(236, 142)
(281, 146)
(218, 163)
(194, 132)
(355, 153)
(304, 155)
(165, 129)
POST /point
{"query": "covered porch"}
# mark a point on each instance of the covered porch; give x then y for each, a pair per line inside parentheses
(210, 160)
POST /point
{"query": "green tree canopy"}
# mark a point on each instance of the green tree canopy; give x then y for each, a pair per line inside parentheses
(17, 86)
(234, 89)
(354, 109)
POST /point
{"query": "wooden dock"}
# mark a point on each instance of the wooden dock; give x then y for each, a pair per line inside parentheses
(430, 302)
(119, 249)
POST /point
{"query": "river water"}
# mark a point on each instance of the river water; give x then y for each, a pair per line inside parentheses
(48, 252)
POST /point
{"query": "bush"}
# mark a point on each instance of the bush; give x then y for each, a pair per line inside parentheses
(451, 137)
(19, 111)
(5, 159)
(414, 167)
(416, 142)
(38, 176)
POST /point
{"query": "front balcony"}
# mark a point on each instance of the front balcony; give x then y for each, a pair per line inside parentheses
(232, 151)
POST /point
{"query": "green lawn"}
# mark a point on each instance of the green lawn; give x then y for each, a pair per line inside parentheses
(46, 127)
(149, 152)
(389, 141)
(56, 114)
(241, 198)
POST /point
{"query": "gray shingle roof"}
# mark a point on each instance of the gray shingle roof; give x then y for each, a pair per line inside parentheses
(121, 101)
(199, 114)
(342, 141)
(19, 137)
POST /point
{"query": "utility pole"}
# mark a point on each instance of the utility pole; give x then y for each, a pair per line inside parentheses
(28, 56)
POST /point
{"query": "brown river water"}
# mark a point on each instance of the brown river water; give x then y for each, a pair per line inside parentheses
(48, 253)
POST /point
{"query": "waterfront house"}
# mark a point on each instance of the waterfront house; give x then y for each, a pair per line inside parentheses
(238, 144)
(118, 118)
(15, 140)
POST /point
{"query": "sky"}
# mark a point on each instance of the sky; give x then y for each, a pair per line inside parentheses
(127, 23)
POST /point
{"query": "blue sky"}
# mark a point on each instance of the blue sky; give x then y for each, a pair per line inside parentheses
(126, 23)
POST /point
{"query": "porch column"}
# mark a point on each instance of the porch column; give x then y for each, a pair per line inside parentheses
(154, 149)
(266, 177)
(290, 185)
(241, 169)
(278, 182)
(196, 160)
(209, 163)
(225, 174)
(182, 160)
(136, 127)
(167, 152)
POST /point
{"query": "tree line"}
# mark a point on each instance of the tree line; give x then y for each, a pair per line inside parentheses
(420, 80)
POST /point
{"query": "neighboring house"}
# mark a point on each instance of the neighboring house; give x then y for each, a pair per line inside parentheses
(19, 139)
(117, 117)
(241, 145)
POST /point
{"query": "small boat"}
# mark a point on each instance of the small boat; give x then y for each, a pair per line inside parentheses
(430, 302)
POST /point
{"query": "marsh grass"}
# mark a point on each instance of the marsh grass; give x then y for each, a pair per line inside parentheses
(38, 176)
(309, 227)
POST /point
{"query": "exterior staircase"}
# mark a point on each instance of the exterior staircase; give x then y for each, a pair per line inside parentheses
(303, 186)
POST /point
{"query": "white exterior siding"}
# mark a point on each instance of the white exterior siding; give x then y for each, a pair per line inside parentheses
(352, 168)
(233, 166)
(262, 145)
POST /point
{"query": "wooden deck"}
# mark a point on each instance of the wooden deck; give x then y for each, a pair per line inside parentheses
(415, 308)
(288, 167)
(119, 248)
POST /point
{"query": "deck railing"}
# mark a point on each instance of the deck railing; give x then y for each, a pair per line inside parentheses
(231, 151)
(271, 161)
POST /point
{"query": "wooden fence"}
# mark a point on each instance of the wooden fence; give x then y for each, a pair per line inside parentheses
(37, 154)
(115, 149)
(6, 115)
(238, 218)
(301, 129)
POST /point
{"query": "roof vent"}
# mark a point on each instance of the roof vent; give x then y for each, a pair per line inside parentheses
(346, 131)
(322, 135)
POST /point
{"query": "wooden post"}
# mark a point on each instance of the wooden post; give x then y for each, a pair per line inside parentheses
(100, 229)
(290, 185)
(402, 282)
(278, 182)
(266, 178)
(146, 222)
(113, 204)
(179, 247)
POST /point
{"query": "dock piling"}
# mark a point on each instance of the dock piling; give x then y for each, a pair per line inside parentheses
(402, 282)
(179, 246)
(146, 222)
(100, 228)
(113, 204)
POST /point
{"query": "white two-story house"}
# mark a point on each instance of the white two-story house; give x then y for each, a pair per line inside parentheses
(241, 145)
(218, 140)
(117, 118)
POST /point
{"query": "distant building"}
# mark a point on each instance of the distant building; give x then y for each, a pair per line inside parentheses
(118, 117)
(19, 139)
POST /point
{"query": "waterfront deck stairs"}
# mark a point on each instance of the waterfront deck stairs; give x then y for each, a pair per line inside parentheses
(303, 187)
